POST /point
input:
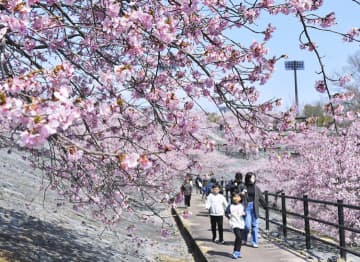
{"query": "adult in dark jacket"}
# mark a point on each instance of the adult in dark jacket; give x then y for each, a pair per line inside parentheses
(254, 198)
(236, 185)
(186, 189)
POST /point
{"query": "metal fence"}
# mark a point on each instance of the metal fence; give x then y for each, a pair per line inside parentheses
(309, 236)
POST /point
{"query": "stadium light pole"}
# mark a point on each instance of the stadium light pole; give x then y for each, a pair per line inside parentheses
(295, 65)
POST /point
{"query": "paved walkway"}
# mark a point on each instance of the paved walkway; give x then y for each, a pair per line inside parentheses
(198, 224)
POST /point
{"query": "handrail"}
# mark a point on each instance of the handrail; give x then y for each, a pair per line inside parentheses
(340, 225)
(341, 245)
(318, 201)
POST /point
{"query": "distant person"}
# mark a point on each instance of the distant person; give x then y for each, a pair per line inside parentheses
(208, 188)
(198, 184)
(235, 185)
(254, 197)
(190, 176)
(186, 189)
(222, 181)
(205, 182)
(235, 212)
(222, 186)
(216, 205)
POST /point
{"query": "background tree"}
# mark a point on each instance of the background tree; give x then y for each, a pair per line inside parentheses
(326, 167)
(317, 112)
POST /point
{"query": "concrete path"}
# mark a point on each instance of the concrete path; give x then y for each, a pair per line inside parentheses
(198, 223)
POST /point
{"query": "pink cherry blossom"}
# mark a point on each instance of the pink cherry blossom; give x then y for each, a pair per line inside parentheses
(129, 160)
(320, 86)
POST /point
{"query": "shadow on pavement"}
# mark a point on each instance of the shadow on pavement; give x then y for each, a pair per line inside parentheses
(26, 238)
(202, 214)
(203, 239)
(227, 243)
(219, 253)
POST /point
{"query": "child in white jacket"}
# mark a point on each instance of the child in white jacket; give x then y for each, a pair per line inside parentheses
(235, 212)
(216, 205)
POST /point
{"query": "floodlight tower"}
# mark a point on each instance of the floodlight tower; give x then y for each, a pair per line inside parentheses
(295, 65)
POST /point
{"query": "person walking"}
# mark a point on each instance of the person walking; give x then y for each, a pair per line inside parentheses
(205, 182)
(207, 190)
(253, 197)
(235, 212)
(186, 190)
(198, 184)
(235, 185)
(216, 205)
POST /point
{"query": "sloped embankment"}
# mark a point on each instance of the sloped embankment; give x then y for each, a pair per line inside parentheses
(43, 227)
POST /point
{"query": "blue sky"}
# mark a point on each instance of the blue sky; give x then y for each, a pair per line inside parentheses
(331, 47)
(334, 51)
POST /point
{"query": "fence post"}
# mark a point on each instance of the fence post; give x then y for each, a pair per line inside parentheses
(306, 221)
(341, 228)
(283, 212)
(266, 210)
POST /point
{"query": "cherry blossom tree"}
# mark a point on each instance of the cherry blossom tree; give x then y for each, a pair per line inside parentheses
(325, 167)
(102, 94)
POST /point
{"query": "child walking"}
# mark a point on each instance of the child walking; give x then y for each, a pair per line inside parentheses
(216, 205)
(235, 212)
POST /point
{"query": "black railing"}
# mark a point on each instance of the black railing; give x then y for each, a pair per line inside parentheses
(341, 244)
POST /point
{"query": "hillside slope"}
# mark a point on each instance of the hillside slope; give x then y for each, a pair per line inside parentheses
(38, 226)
